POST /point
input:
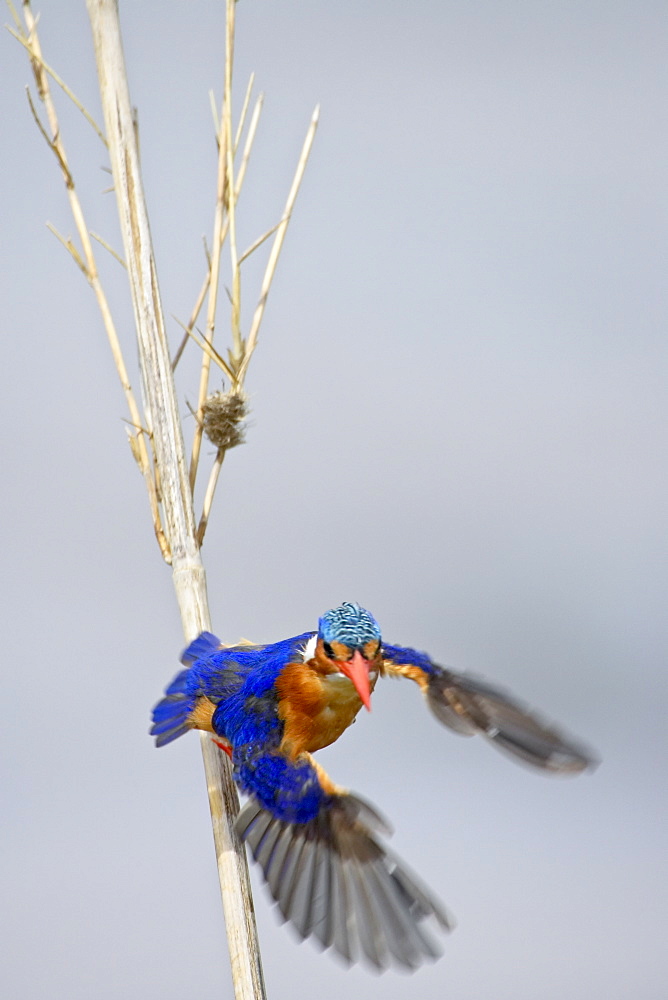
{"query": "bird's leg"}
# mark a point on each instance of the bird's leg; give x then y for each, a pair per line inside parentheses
(225, 747)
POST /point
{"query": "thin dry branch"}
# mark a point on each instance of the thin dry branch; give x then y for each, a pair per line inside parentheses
(235, 294)
(277, 245)
(20, 37)
(248, 147)
(239, 362)
(70, 247)
(244, 112)
(258, 243)
(204, 345)
(107, 246)
(242, 350)
(222, 189)
(209, 494)
(190, 325)
(85, 259)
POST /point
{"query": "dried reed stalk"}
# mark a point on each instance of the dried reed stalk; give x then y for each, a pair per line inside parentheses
(156, 437)
(178, 515)
(85, 259)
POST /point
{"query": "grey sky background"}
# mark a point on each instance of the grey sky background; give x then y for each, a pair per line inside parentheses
(459, 420)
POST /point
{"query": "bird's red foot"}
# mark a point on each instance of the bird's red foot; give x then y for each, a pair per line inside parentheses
(225, 747)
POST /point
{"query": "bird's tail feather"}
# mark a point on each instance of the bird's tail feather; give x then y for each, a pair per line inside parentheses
(171, 716)
(201, 647)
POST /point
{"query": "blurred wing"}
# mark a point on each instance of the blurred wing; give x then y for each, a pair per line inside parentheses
(508, 724)
(468, 706)
(334, 881)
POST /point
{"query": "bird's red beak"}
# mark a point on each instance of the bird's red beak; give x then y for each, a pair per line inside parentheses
(357, 669)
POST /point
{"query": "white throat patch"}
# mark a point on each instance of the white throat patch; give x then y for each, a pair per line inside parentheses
(309, 649)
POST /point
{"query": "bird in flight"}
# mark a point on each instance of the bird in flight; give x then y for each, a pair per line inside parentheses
(320, 847)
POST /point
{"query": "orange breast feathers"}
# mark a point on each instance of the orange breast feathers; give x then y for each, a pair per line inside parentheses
(315, 708)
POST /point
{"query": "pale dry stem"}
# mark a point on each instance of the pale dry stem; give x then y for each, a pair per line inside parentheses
(189, 577)
(20, 37)
(270, 270)
(250, 344)
(248, 147)
(244, 112)
(208, 496)
(70, 247)
(222, 197)
(204, 345)
(258, 243)
(86, 260)
(189, 327)
(235, 292)
(235, 295)
(101, 240)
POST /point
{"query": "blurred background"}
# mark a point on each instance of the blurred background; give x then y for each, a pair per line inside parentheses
(458, 420)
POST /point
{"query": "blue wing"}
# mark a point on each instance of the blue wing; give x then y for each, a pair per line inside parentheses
(328, 873)
(469, 705)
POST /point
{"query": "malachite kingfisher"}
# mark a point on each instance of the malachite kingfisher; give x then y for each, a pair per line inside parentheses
(270, 707)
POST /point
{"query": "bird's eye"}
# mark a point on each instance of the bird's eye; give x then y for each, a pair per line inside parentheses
(328, 650)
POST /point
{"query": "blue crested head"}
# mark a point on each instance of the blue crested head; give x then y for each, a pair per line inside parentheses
(350, 625)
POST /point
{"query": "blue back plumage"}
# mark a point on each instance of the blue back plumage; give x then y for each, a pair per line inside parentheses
(249, 715)
(239, 679)
(349, 624)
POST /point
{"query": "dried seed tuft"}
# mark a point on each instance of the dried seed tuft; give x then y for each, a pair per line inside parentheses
(223, 415)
